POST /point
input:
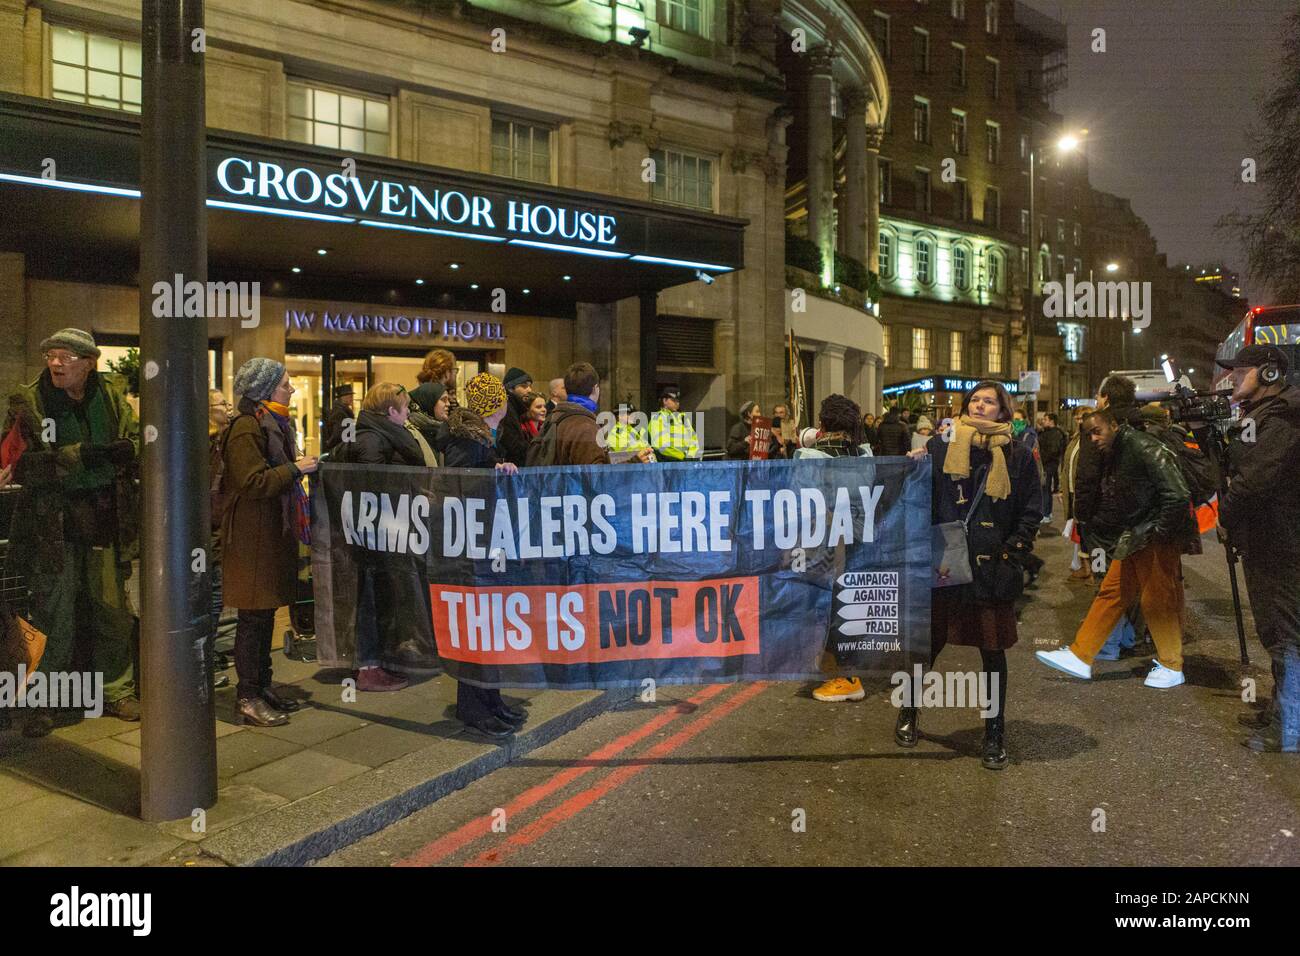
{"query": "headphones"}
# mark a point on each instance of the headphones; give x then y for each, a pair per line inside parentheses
(1269, 373)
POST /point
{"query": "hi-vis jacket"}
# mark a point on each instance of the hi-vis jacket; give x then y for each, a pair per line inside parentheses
(673, 436)
(627, 438)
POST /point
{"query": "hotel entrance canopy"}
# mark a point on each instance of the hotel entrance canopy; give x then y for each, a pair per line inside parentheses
(363, 226)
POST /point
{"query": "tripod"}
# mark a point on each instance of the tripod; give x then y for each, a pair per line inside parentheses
(1215, 442)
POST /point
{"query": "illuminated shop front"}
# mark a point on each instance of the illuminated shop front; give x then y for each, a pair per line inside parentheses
(942, 393)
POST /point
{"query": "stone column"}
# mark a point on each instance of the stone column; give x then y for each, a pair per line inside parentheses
(875, 136)
(829, 371)
(854, 221)
(821, 158)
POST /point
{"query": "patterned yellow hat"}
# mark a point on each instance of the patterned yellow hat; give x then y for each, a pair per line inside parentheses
(485, 394)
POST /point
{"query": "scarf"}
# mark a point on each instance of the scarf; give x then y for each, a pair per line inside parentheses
(281, 449)
(993, 436)
(584, 401)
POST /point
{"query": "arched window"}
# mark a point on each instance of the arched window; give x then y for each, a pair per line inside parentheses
(961, 266)
(924, 261)
(886, 255)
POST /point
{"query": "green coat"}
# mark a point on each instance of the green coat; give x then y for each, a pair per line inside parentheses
(37, 529)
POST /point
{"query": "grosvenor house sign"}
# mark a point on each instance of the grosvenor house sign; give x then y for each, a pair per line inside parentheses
(472, 214)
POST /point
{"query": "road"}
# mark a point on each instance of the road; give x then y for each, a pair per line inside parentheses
(1107, 772)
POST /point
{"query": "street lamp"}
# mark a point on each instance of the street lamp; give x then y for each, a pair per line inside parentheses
(1067, 143)
(1112, 267)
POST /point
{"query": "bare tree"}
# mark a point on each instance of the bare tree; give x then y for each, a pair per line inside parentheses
(1271, 233)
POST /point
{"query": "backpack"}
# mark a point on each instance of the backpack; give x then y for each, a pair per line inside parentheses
(1200, 470)
(542, 449)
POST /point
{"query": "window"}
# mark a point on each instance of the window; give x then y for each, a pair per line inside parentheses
(995, 355)
(1078, 234)
(1078, 268)
(922, 190)
(956, 345)
(880, 32)
(1042, 228)
(1044, 266)
(1043, 363)
(993, 140)
(958, 66)
(1071, 334)
(885, 257)
(924, 261)
(1060, 231)
(921, 49)
(921, 120)
(94, 69)
(688, 16)
(338, 118)
(1024, 222)
(959, 132)
(886, 171)
(920, 348)
(959, 9)
(994, 77)
(961, 267)
(1024, 147)
(683, 179)
(884, 344)
(992, 207)
(960, 201)
(995, 272)
(991, 17)
(1060, 268)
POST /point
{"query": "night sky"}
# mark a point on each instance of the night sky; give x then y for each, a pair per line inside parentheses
(1168, 107)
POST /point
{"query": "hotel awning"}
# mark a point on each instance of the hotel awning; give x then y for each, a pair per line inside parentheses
(69, 189)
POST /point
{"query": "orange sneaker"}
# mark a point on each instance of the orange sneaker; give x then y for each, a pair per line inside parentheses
(840, 688)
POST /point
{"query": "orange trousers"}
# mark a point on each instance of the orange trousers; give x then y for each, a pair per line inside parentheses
(1153, 575)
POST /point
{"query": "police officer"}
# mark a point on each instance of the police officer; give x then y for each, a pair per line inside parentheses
(1261, 514)
(671, 433)
(626, 435)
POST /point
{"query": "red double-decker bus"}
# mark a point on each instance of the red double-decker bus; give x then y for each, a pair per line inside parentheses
(1264, 325)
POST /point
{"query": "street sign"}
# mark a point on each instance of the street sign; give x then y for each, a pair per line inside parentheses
(1030, 382)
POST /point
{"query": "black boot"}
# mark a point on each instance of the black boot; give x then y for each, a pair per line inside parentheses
(994, 756)
(907, 729)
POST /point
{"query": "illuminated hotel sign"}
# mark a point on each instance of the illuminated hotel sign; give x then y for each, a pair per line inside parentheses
(303, 323)
(943, 384)
(373, 201)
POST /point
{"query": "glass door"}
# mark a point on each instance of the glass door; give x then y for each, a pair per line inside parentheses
(306, 377)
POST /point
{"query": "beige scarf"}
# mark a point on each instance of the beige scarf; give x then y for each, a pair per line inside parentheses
(994, 436)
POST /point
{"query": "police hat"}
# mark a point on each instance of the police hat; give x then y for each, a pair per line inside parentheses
(670, 391)
(1253, 356)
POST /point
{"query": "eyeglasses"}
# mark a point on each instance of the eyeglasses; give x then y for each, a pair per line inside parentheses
(60, 358)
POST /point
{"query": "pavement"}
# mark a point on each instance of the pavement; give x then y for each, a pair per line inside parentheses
(1106, 772)
(286, 795)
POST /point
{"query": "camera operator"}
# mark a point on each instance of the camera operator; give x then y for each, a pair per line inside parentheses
(1261, 514)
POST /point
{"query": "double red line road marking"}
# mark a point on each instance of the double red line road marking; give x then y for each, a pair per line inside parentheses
(451, 843)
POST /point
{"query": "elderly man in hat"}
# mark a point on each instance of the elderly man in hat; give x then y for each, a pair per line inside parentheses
(1261, 515)
(76, 524)
(343, 398)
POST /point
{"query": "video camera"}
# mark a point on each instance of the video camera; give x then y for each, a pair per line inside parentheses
(1196, 411)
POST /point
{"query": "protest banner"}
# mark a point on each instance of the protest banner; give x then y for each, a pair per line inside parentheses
(603, 576)
(760, 438)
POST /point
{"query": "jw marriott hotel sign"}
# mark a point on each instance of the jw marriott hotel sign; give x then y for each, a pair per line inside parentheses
(326, 323)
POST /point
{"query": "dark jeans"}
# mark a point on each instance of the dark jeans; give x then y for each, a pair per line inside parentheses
(475, 703)
(253, 652)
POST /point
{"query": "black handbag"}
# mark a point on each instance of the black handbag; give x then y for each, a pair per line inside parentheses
(950, 546)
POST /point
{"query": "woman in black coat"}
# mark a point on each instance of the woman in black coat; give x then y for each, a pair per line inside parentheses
(738, 437)
(471, 443)
(983, 465)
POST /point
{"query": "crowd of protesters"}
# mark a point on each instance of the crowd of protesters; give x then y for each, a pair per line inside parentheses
(1122, 477)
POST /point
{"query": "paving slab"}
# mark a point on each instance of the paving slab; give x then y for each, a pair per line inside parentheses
(301, 774)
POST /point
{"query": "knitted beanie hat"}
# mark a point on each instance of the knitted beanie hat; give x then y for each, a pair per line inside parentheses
(79, 343)
(517, 376)
(258, 378)
(485, 394)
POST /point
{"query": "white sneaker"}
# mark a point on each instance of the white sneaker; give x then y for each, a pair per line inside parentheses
(1162, 677)
(1065, 660)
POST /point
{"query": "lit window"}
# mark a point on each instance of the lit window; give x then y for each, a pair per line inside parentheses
(1078, 234)
(960, 267)
(991, 17)
(921, 120)
(995, 355)
(920, 348)
(1024, 222)
(995, 272)
(1060, 231)
(959, 132)
(885, 344)
(522, 150)
(1043, 363)
(921, 49)
(886, 169)
(94, 69)
(886, 256)
(994, 77)
(338, 119)
(683, 179)
(959, 66)
(956, 345)
(993, 139)
(924, 255)
(688, 16)
(959, 9)
(1071, 334)
(1078, 268)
